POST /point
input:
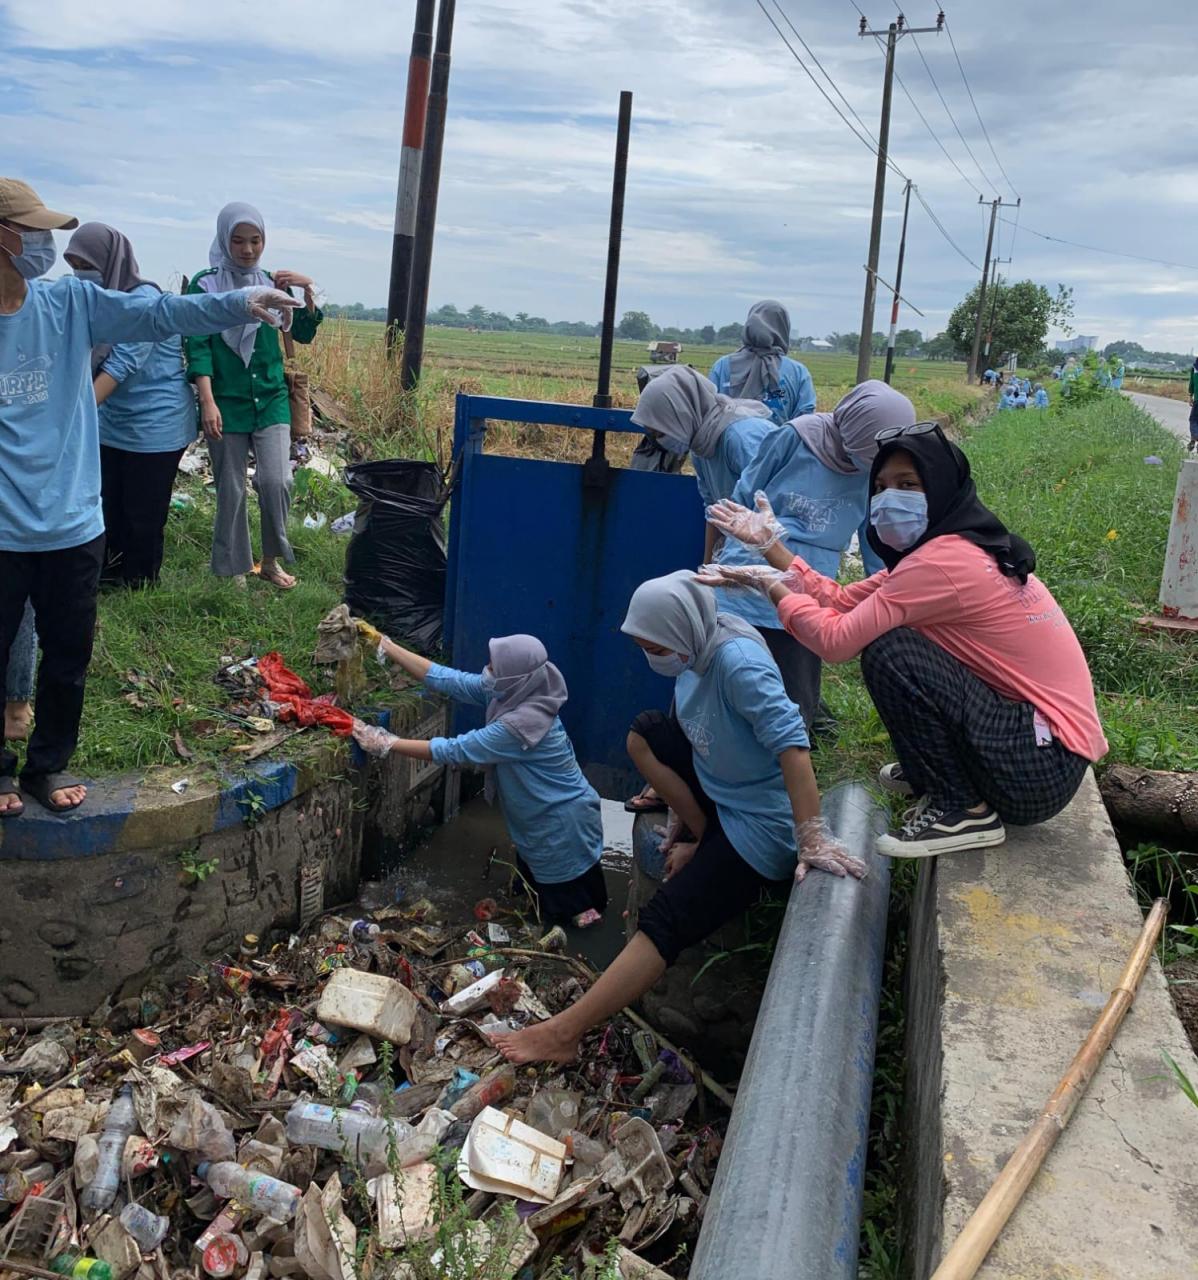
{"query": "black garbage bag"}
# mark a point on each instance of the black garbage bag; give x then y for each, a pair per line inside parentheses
(395, 563)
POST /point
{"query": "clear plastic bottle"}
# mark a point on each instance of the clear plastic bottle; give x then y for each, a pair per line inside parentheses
(262, 1193)
(147, 1228)
(118, 1126)
(336, 1129)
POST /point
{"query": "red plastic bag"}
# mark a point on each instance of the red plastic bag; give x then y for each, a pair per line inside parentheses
(298, 704)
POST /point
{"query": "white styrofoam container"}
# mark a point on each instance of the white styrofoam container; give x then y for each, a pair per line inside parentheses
(369, 1002)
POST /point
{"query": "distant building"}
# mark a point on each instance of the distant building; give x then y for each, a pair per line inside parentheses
(815, 344)
(1083, 342)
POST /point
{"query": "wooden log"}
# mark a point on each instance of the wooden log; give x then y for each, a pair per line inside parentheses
(1163, 804)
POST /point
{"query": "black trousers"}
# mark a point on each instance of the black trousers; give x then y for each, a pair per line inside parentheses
(717, 883)
(801, 671)
(560, 903)
(61, 586)
(959, 741)
(136, 493)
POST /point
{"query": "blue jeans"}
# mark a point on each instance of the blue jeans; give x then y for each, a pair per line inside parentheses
(22, 659)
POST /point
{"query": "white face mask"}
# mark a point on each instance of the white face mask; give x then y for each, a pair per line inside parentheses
(900, 516)
(667, 664)
(37, 254)
(89, 273)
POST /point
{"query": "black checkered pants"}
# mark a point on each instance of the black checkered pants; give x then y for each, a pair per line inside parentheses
(959, 741)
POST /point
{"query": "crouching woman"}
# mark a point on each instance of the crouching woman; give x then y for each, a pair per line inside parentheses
(732, 762)
(971, 663)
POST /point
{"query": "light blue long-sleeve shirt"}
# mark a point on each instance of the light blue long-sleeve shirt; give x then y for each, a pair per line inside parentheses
(552, 811)
(737, 447)
(819, 508)
(49, 427)
(794, 397)
(738, 720)
(153, 410)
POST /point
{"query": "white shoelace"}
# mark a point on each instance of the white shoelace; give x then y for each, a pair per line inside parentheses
(925, 816)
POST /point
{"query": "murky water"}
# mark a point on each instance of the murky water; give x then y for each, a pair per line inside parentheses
(455, 868)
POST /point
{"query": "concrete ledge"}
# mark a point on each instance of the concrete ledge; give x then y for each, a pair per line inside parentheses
(1013, 954)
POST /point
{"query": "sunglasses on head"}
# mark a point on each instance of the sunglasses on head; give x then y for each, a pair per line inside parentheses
(915, 429)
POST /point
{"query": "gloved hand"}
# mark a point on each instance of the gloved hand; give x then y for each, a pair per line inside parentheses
(373, 739)
(271, 306)
(758, 529)
(820, 849)
(757, 577)
(367, 632)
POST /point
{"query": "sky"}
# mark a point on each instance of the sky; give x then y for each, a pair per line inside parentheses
(743, 183)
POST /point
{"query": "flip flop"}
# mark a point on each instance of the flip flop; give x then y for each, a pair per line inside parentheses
(8, 787)
(43, 785)
(641, 803)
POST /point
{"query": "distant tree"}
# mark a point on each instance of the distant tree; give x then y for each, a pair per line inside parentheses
(844, 341)
(1018, 316)
(707, 335)
(908, 339)
(521, 319)
(941, 347)
(730, 334)
(477, 315)
(636, 327)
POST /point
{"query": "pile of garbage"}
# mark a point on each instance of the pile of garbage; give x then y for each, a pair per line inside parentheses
(327, 1104)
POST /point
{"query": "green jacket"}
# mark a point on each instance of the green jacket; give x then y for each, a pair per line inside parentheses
(248, 398)
(1194, 384)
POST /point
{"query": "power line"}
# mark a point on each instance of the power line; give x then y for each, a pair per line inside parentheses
(1114, 253)
(935, 136)
(940, 227)
(976, 112)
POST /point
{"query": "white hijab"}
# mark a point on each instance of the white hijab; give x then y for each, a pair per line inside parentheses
(231, 275)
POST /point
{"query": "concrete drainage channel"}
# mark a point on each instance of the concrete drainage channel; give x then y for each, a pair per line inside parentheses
(1012, 953)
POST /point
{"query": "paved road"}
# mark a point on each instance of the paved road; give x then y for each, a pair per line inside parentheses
(1173, 415)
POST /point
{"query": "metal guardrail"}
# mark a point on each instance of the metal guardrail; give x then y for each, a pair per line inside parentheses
(786, 1203)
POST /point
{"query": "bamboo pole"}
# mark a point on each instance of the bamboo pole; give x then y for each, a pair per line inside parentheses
(1000, 1202)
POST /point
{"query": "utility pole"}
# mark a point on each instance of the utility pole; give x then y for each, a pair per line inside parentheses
(971, 371)
(994, 263)
(426, 213)
(898, 285)
(410, 152)
(893, 33)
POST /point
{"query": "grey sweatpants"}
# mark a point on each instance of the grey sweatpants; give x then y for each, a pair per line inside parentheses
(231, 551)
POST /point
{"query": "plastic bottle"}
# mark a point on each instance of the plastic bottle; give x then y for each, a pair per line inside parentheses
(491, 1091)
(264, 1194)
(148, 1229)
(118, 1126)
(363, 931)
(78, 1267)
(350, 1132)
(368, 1099)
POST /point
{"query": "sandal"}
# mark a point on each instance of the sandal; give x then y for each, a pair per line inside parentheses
(43, 785)
(275, 576)
(642, 802)
(9, 787)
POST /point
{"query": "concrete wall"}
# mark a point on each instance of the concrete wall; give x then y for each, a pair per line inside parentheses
(1013, 954)
(98, 900)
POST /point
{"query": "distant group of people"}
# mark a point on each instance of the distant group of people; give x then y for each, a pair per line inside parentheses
(971, 664)
(1017, 392)
(96, 409)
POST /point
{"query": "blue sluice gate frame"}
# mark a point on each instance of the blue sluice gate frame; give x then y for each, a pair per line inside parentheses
(534, 550)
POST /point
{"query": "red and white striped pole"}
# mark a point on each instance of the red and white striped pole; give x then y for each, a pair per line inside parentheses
(410, 155)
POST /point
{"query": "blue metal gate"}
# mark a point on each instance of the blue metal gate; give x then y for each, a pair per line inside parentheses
(533, 549)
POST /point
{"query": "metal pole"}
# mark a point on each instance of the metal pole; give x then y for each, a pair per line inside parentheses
(426, 212)
(787, 1198)
(596, 467)
(972, 371)
(410, 151)
(865, 345)
(898, 284)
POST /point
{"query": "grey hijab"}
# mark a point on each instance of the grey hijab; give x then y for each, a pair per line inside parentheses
(231, 275)
(679, 614)
(848, 432)
(111, 254)
(684, 412)
(529, 689)
(753, 370)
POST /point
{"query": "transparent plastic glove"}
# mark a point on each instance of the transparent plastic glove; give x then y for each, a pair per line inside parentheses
(271, 306)
(373, 739)
(758, 529)
(756, 577)
(820, 849)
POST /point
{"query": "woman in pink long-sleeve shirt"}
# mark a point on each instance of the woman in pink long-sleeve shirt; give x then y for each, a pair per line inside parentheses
(971, 663)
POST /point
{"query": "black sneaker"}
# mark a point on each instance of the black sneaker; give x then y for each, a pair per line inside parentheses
(931, 831)
(892, 778)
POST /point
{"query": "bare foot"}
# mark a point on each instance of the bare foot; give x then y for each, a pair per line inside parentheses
(544, 1042)
(18, 716)
(68, 797)
(270, 571)
(11, 803)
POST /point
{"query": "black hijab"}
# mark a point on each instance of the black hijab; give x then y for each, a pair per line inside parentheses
(953, 505)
